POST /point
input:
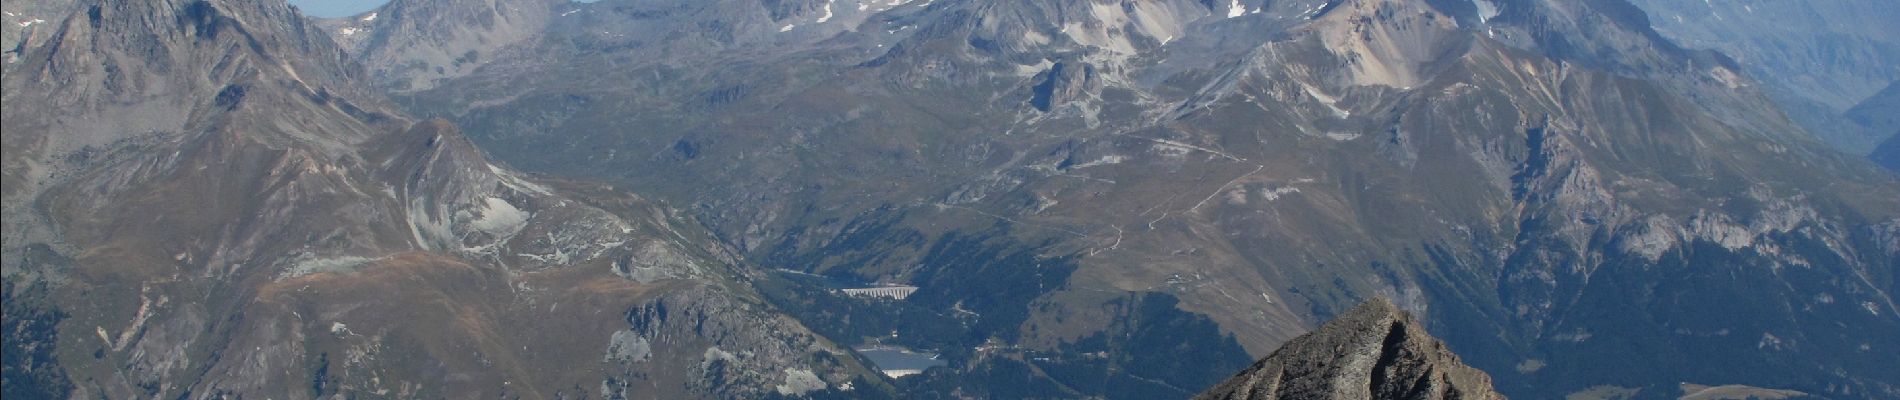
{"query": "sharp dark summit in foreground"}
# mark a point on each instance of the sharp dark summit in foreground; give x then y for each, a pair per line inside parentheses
(1374, 351)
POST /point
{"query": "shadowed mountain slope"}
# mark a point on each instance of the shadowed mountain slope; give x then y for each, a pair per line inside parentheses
(1888, 154)
(1879, 112)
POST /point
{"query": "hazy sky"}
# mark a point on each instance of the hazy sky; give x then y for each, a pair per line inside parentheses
(335, 8)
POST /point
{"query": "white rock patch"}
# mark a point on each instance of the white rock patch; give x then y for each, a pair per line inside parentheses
(499, 217)
(628, 347)
(800, 381)
(828, 14)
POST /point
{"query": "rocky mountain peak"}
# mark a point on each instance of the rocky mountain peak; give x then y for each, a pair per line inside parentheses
(1375, 351)
(139, 43)
(222, 159)
(1385, 41)
(164, 66)
(416, 42)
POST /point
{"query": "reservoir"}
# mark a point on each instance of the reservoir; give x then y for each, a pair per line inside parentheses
(898, 361)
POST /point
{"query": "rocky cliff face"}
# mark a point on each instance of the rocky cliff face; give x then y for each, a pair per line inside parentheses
(205, 201)
(1375, 351)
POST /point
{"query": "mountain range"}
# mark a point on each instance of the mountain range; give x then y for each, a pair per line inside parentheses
(1817, 60)
(204, 200)
(1092, 198)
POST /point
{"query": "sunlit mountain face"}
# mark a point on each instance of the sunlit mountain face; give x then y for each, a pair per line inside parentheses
(950, 199)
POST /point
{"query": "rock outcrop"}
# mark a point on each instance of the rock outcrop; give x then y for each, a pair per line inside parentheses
(1063, 83)
(1376, 351)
